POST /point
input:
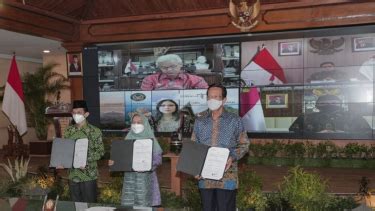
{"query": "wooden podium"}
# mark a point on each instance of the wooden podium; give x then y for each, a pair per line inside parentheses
(175, 176)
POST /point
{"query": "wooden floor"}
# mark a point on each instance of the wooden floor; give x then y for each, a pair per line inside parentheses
(339, 180)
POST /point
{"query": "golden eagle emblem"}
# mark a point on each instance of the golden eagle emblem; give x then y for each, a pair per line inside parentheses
(243, 15)
(326, 46)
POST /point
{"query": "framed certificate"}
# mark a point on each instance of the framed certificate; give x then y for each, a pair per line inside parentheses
(132, 155)
(199, 159)
(69, 153)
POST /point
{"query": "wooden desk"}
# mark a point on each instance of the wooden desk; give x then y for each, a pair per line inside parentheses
(175, 176)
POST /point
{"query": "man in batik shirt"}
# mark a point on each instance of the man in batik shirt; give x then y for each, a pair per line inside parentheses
(172, 76)
(82, 181)
(222, 129)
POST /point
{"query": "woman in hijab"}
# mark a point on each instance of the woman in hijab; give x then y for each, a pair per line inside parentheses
(142, 188)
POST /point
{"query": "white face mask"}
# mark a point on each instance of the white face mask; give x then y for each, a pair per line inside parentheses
(78, 118)
(137, 128)
(214, 104)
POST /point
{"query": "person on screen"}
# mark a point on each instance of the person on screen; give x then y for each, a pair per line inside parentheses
(82, 181)
(142, 188)
(328, 73)
(167, 116)
(218, 127)
(331, 118)
(75, 66)
(172, 76)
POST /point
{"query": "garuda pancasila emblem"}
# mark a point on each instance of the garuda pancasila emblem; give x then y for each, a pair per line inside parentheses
(326, 46)
(243, 15)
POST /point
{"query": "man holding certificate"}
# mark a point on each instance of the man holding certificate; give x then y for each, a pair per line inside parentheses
(82, 180)
(219, 128)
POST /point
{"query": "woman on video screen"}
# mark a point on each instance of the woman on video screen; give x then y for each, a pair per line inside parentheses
(167, 116)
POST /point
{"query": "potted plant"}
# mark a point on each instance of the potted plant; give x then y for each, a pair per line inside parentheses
(37, 88)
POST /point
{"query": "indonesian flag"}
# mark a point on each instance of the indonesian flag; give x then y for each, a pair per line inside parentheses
(251, 110)
(263, 70)
(130, 67)
(13, 101)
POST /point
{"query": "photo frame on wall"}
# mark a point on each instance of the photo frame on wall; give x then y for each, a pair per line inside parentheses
(363, 44)
(277, 101)
(74, 64)
(289, 48)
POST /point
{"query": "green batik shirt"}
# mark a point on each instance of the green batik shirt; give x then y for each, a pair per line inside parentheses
(95, 151)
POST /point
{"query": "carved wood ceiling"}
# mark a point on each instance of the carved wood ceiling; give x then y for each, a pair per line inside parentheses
(99, 9)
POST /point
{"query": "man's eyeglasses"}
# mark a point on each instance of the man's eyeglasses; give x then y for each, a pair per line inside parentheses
(168, 67)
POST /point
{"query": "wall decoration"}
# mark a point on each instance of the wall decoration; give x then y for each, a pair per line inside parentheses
(244, 16)
(363, 44)
(326, 46)
(277, 100)
(289, 48)
(74, 61)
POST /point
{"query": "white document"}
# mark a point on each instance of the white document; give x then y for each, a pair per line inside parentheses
(142, 155)
(81, 206)
(80, 153)
(214, 165)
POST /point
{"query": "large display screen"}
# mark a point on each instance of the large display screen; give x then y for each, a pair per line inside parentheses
(305, 84)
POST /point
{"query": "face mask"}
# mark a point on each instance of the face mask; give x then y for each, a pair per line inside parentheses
(137, 128)
(78, 118)
(214, 104)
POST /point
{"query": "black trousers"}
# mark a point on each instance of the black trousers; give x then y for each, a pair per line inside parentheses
(83, 191)
(218, 199)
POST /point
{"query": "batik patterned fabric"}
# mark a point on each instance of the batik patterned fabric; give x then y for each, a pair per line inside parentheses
(142, 188)
(95, 151)
(182, 81)
(228, 132)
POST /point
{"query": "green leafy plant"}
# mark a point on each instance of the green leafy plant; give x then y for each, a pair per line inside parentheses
(295, 150)
(110, 193)
(304, 191)
(19, 170)
(37, 87)
(354, 150)
(256, 149)
(270, 149)
(191, 194)
(340, 203)
(250, 193)
(171, 200)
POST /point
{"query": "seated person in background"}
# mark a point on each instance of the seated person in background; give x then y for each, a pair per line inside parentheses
(172, 76)
(201, 64)
(167, 116)
(330, 118)
(329, 73)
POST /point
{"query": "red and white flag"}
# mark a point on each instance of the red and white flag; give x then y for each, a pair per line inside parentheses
(13, 101)
(263, 70)
(251, 111)
(130, 67)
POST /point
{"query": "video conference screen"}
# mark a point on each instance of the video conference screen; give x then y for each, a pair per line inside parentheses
(307, 86)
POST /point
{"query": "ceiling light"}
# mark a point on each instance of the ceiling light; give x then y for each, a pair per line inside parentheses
(46, 51)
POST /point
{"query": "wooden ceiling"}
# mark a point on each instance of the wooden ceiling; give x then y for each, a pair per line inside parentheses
(82, 10)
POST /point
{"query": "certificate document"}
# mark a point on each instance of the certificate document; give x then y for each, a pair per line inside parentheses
(80, 153)
(142, 155)
(62, 152)
(214, 165)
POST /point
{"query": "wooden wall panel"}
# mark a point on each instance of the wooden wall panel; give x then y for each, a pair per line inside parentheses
(76, 87)
(16, 18)
(218, 22)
